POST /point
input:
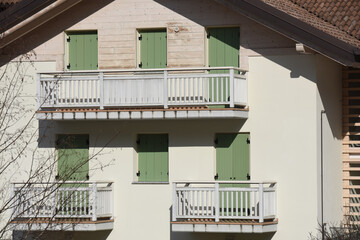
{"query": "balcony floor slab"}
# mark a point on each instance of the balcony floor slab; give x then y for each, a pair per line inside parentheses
(224, 226)
(143, 114)
(62, 225)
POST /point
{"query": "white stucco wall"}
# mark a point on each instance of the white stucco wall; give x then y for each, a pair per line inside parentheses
(329, 98)
(285, 95)
(284, 137)
(19, 153)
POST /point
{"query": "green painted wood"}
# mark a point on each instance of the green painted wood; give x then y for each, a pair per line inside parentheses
(73, 157)
(232, 161)
(153, 49)
(83, 50)
(224, 45)
(153, 157)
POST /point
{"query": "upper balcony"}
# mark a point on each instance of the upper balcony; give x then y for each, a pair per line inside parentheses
(181, 93)
(224, 206)
(65, 206)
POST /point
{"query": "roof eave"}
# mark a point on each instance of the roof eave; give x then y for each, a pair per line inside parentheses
(20, 11)
(31, 18)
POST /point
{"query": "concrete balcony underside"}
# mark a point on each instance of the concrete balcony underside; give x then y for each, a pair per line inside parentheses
(224, 226)
(144, 114)
(70, 224)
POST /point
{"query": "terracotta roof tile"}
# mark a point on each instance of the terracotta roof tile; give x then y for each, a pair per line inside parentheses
(343, 14)
(340, 19)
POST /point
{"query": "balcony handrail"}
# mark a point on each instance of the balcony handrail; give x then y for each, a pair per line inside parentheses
(144, 70)
(64, 182)
(87, 199)
(224, 182)
(212, 200)
(143, 87)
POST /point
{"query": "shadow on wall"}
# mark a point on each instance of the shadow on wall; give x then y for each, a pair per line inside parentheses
(60, 235)
(44, 33)
(329, 85)
(117, 134)
(210, 14)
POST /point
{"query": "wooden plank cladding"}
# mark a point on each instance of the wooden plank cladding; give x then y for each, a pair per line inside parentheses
(351, 144)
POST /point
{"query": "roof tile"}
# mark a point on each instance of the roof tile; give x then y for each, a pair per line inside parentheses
(340, 19)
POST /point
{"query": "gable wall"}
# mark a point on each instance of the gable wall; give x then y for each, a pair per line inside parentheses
(117, 24)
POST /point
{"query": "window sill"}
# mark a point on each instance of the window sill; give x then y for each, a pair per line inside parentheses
(161, 183)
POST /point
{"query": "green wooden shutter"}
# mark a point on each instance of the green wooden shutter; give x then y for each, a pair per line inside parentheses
(241, 154)
(153, 157)
(83, 50)
(73, 157)
(232, 162)
(224, 46)
(224, 156)
(153, 49)
(223, 50)
(232, 156)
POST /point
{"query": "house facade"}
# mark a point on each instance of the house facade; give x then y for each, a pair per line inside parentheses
(180, 120)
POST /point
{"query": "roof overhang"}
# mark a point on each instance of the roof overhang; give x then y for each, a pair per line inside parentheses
(27, 15)
(295, 29)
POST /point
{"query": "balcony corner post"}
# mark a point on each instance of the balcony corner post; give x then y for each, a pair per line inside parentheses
(165, 89)
(101, 76)
(217, 202)
(38, 86)
(174, 207)
(54, 203)
(261, 202)
(94, 193)
(12, 199)
(232, 87)
(112, 201)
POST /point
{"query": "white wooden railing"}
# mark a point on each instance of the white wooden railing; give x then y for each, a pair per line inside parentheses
(62, 200)
(140, 87)
(224, 200)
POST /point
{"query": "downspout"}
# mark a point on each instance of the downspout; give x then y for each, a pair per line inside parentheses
(322, 175)
(12, 31)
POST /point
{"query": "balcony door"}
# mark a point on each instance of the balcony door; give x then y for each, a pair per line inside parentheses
(223, 51)
(224, 45)
(232, 164)
(153, 48)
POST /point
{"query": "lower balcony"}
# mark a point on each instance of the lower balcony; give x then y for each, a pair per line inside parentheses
(66, 206)
(224, 206)
(181, 93)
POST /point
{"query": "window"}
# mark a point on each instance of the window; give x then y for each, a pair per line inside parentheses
(153, 48)
(153, 158)
(83, 50)
(223, 47)
(73, 157)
